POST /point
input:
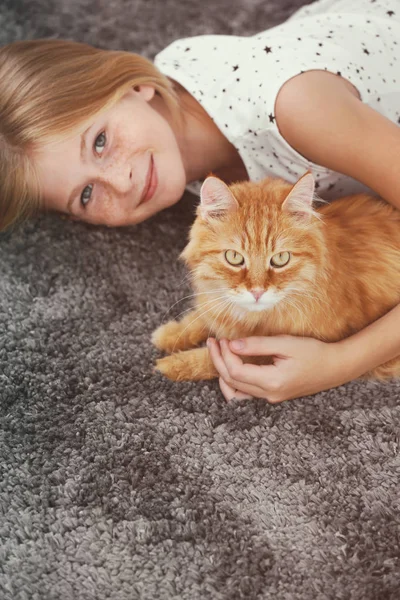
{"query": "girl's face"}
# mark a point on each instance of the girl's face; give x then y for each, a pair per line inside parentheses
(122, 168)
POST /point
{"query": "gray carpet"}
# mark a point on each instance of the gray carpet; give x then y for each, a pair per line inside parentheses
(116, 483)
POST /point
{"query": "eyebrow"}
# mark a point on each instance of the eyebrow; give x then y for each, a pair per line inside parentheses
(83, 149)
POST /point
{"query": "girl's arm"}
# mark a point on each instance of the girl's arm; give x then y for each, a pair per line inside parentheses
(323, 119)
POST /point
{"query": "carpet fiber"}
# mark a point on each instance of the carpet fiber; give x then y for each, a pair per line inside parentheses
(116, 483)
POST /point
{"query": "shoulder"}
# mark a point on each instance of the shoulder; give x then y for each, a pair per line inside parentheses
(312, 107)
(312, 84)
(323, 119)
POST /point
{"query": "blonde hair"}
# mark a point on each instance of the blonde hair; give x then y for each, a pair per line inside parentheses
(48, 88)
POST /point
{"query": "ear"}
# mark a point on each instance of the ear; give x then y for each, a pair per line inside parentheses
(300, 198)
(216, 199)
(145, 91)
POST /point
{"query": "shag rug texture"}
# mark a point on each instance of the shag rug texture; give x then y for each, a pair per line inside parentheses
(118, 484)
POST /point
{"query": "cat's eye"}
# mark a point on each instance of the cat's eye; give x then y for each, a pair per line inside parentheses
(234, 258)
(280, 260)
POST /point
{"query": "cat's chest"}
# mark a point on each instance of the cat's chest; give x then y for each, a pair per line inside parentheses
(233, 327)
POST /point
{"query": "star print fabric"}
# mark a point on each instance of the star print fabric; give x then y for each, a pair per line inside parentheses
(237, 79)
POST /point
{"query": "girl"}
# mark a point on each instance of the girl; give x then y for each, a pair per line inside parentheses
(108, 137)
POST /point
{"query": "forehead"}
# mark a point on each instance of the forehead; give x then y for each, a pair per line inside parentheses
(258, 225)
(55, 163)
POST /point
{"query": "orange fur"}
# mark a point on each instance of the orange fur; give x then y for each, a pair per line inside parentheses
(344, 271)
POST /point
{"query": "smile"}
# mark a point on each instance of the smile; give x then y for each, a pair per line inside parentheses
(151, 182)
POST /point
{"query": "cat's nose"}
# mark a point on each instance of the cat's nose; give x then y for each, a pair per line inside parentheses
(257, 293)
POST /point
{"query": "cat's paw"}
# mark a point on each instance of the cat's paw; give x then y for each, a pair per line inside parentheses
(191, 365)
(171, 367)
(170, 337)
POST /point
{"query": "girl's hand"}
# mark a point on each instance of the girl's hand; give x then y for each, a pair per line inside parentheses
(301, 366)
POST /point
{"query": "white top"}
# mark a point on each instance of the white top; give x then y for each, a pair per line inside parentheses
(237, 79)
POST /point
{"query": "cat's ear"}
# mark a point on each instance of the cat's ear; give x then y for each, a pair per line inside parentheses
(300, 199)
(216, 199)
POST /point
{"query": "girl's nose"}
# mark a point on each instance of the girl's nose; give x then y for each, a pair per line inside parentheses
(120, 178)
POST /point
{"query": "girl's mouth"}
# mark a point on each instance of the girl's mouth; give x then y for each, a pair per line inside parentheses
(151, 182)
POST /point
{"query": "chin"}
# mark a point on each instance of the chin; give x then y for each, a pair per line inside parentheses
(246, 309)
(257, 308)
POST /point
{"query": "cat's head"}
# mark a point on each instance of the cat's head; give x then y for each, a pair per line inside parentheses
(256, 244)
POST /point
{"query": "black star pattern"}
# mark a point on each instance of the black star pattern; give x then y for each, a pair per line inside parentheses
(281, 68)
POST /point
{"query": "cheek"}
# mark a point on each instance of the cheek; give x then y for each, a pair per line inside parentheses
(122, 145)
(297, 278)
(217, 274)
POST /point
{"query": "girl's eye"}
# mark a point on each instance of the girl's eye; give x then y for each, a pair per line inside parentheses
(100, 142)
(99, 146)
(86, 194)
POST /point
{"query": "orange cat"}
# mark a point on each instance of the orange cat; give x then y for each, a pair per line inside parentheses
(264, 261)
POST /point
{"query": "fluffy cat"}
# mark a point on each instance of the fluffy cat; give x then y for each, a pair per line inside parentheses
(265, 260)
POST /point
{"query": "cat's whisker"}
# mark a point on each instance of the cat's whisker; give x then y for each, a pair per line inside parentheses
(192, 296)
(211, 328)
(310, 325)
(217, 336)
(190, 309)
(306, 293)
(190, 276)
(291, 302)
(311, 294)
(230, 303)
(199, 317)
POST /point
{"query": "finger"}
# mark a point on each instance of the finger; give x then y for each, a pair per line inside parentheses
(257, 375)
(216, 357)
(230, 393)
(278, 345)
(247, 388)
